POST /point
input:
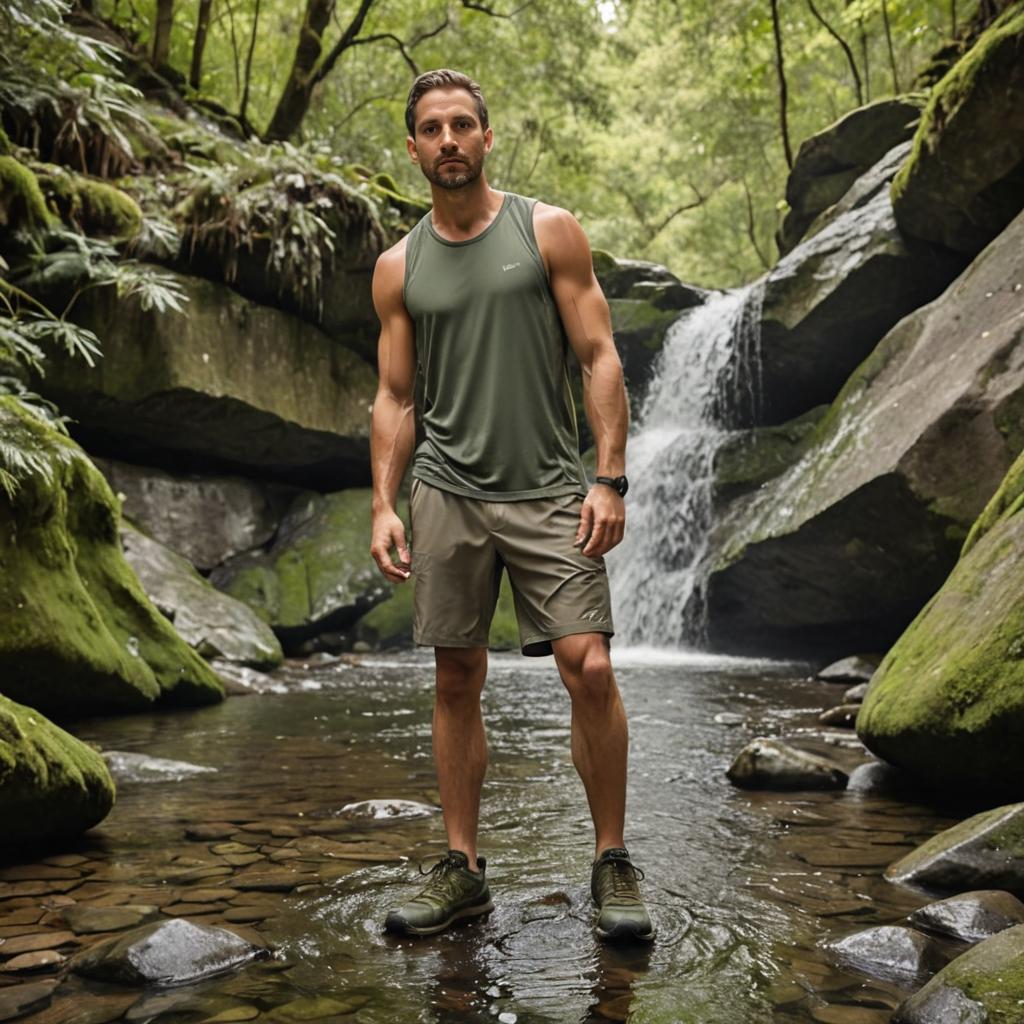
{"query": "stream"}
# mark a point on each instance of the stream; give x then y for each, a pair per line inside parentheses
(746, 888)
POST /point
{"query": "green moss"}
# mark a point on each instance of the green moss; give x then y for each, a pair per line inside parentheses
(51, 785)
(604, 261)
(21, 199)
(77, 633)
(992, 974)
(389, 624)
(5, 142)
(94, 207)
(641, 319)
(1007, 501)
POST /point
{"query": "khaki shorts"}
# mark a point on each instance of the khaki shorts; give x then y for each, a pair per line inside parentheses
(460, 546)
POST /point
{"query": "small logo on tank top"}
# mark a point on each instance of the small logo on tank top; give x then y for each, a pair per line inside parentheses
(510, 266)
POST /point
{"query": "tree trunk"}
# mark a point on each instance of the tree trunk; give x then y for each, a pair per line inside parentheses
(888, 42)
(294, 101)
(242, 109)
(846, 49)
(162, 32)
(783, 101)
(199, 43)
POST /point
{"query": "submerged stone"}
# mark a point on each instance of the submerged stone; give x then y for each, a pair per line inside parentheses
(890, 951)
(971, 916)
(379, 809)
(771, 764)
(983, 852)
(165, 953)
(129, 766)
(843, 715)
(858, 668)
(983, 986)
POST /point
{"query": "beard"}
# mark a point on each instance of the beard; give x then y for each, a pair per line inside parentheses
(454, 177)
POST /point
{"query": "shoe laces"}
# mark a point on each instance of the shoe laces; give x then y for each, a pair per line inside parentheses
(624, 877)
(438, 876)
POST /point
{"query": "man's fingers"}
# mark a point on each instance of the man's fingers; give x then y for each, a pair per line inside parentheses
(586, 524)
(594, 546)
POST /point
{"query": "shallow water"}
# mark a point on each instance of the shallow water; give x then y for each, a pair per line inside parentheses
(745, 888)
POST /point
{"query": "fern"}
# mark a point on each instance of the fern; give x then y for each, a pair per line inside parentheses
(28, 444)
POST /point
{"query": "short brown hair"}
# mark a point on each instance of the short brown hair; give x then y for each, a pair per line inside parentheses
(440, 79)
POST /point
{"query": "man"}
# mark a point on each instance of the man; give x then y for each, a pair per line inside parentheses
(481, 301)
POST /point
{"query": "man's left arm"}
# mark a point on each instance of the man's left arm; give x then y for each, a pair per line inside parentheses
(587, 321)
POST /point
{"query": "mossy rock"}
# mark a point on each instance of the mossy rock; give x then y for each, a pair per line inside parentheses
(51, 784)
(964, 180)
(947, 701)
(93, 207)
(77, 633)
(22, 204)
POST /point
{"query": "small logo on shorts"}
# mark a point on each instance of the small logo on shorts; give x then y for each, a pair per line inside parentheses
(510, 266)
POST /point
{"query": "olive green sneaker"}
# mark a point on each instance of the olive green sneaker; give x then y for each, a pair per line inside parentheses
(621, 912)
(453, 892)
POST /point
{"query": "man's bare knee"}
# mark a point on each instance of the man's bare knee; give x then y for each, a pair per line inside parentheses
(584, 663)
(460, 673)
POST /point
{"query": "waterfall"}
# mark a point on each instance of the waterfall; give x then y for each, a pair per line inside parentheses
(707, 382)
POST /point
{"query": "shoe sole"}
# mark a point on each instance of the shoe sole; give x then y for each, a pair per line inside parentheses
(625, 933)
(397, 926)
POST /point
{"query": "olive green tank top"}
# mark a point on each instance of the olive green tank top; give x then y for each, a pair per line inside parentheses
(496, 409)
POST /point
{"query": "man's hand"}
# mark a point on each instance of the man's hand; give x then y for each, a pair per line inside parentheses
(387, 533)
(603, 519)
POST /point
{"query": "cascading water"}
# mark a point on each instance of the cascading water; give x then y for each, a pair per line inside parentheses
(707, 381)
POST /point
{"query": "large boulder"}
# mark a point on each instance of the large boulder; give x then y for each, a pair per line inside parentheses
(964, 180)
(845, 547)
(205, 518)
(827, 303)
(212, 622)
(983, 986)
(317, 577)
(51, 785)
(77, 633)
(947, 702)
(228, 385)
(829, 162)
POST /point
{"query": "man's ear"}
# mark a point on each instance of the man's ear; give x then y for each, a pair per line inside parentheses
(488, 139)
(410, 145)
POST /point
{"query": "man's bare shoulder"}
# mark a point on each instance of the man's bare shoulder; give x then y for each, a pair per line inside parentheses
(389, 277)
(559, 235)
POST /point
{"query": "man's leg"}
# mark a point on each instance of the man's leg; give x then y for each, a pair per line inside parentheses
(600, 737)
(460, 744)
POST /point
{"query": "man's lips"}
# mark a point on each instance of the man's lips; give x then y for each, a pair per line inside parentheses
(444, 163)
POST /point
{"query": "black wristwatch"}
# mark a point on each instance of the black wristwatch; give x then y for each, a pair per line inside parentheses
(617, 483)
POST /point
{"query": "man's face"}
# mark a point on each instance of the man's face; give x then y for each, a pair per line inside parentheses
(450, 143)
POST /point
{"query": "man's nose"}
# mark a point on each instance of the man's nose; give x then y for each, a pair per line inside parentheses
(447, 138)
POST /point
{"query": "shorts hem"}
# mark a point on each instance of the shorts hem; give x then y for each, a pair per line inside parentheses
(543, 640)
(422, 641)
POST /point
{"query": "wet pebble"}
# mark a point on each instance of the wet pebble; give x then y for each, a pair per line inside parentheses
(771, 764)
(971, 916)
(31, 943)
(730, 718)
(856, 694)
(890, 951)
(210, 830)
(383, 809)
(41, 960)
(858, 668)
(17, 1000)
(90, 920)
(844, 716)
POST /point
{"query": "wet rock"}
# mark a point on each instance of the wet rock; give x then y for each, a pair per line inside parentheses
(27, 963)
(983, 852)
(877, 777)
(129, 766)
(165, 953)
(983, 986)
(39, 941)
(844, 715)
(729, 718)
(856, 694)
(210, 830)
(829, 162)
(944, 193)
(859, 668)
(212, 622)
(233, 1015)
(241, 681)
(206, 519)
(77, 633)
(971, 916)
(51, 784)
(84, 920)
(201, 387)
(315, 578)
(890, 952)
(383, 809)
(771, 764)
(17, 1000)
(316, 1008)
(902, 464)
(947, 703)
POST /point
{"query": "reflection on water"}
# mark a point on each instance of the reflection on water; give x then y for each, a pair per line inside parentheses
(745, 888)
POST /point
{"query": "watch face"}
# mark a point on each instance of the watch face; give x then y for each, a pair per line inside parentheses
(623, 485)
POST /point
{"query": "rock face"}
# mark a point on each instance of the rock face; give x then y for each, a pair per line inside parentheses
(77, 633)
(771, 764)
(971, 916)
(317, 575)
(899, 468)
(858, 668)
(964, 180)
(983, 986)
(828, 163)
(165, 953)
(983, 852)
(212, 622)
(947, 702)
(51, 785)
(890, 951)
(228, 385)
(207, 519)
(828, 302)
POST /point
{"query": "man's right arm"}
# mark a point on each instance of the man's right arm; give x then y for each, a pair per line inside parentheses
(392, 425)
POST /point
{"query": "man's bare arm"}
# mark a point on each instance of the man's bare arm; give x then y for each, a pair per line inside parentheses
(392, 425)
(587, 321)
